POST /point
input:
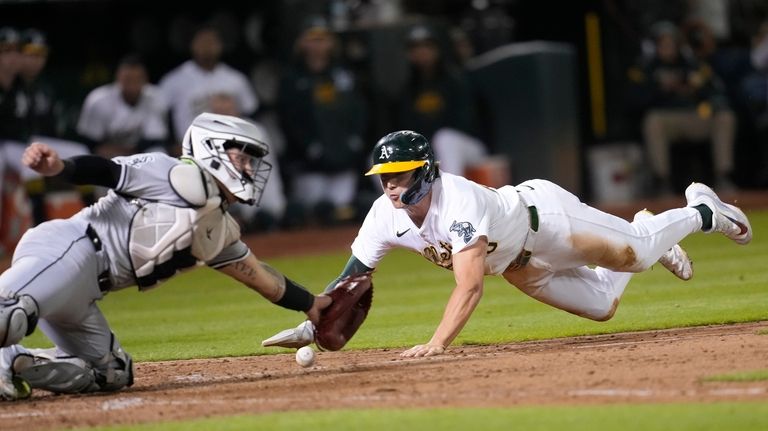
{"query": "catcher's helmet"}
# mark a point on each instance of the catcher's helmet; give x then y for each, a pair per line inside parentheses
(207, 141)
(404, 151)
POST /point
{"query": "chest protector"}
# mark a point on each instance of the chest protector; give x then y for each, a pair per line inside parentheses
(166, 239)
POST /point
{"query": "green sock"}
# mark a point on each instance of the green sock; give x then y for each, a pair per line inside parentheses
(706, 216)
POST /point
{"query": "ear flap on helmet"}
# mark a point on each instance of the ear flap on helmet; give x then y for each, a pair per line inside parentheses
(423, 178)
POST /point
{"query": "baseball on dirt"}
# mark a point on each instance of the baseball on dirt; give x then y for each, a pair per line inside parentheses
(305, 356)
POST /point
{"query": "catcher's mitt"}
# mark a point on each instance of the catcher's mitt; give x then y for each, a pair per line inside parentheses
(352, 298)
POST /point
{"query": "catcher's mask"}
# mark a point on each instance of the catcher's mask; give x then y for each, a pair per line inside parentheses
(405, 151)
(232, 150)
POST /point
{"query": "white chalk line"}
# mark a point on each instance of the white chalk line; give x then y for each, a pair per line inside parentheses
(624, 343)
(644, 393)
(132, 402)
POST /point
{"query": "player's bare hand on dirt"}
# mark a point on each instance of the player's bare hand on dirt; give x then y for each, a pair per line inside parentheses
(423, 350)
(321, 302)
(42, 159)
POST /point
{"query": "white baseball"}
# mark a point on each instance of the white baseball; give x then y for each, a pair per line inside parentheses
(305, 356)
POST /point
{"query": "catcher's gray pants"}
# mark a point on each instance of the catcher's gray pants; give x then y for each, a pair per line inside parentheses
(58, 265)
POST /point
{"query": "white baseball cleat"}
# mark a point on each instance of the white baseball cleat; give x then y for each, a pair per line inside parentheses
(676, 260)
(726, 218)
(300, 336)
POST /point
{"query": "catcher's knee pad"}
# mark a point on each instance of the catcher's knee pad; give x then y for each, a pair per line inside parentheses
(18, 318)
(66, 375)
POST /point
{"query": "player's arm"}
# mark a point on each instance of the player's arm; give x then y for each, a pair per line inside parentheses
(469, 269)
(85, 169)
(276, 287)
(303, 334)
(353, 266)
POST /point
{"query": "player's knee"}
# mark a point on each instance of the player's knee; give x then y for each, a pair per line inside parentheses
(18, 318)
(604, 312)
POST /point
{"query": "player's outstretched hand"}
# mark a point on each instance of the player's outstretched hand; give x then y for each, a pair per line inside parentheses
(42, 159)
(423, 350)
(321, 302)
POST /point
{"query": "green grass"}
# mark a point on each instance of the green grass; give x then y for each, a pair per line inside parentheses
(649, 417)
(205, 314)
(746, 376)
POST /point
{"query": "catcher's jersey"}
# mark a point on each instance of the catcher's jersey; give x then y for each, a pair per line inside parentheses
(461, 211)
(143, 178)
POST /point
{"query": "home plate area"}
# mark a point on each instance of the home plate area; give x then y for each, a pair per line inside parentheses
(638, 367)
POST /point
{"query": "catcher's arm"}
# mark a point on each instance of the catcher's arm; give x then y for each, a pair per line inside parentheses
(85, 169)
(469, 270)
(304, 334)
(276, 287)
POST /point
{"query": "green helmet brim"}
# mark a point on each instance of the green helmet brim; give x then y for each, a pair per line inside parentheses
(392, 167)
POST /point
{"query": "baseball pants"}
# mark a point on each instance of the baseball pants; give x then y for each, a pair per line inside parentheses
(573, 235)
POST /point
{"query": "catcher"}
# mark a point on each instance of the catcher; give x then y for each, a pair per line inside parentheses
(538, 236)
(161, 216)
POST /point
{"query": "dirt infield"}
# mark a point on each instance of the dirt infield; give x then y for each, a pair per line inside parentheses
(640, 367)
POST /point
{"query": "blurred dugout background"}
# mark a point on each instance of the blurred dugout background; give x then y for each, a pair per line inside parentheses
(550, 76)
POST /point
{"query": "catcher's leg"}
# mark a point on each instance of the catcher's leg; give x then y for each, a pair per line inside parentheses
(87, 358)
(18, 318)
(56, 371)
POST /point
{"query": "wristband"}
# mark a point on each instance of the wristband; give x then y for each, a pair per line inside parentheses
(296, 297)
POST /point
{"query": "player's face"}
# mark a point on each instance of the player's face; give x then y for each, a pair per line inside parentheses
(395, 184)
(10, 59)
(207, 47)
(32, 64)
(131, 79)
(667, 48)
(243, 163)
(424, 55)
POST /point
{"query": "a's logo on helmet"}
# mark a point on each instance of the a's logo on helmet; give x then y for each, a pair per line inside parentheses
(463, 229)
(385, 152)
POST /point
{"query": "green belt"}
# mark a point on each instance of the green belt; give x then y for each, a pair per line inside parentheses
(525, 254)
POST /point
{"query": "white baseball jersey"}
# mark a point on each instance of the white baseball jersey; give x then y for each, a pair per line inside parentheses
(106, 117)
(461, 211)
(189, 88)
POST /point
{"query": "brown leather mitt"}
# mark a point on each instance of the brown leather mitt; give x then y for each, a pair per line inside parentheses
(352, 298)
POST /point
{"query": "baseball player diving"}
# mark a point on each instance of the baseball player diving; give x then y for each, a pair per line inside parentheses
(162, 215)
(536, 235)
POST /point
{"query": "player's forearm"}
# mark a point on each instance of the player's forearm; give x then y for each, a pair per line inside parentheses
(353, 266)
(462, 303)
(270, 283)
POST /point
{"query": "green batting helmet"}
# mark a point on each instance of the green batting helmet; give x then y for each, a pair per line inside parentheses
(406, 151)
